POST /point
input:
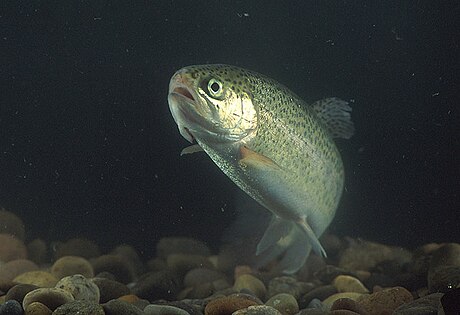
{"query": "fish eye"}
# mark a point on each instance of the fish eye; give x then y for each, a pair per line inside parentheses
(215, 87)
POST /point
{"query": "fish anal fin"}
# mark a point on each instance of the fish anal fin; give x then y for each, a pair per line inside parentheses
(249, 157)
(316, 245)
(334, 113)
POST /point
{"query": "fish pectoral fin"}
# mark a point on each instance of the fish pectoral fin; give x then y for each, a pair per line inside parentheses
(257, 160)
(191, 149)
(317, 247)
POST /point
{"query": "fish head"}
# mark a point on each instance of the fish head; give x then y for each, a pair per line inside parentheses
(212, 103)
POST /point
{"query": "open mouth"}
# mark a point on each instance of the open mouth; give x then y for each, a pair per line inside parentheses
(184, 92)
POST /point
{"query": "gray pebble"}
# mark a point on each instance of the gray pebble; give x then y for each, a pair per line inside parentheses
(153, 309)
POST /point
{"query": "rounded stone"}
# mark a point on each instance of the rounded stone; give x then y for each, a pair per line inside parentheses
(288, 285)
(446, 255)
(181, 245)
(428, 304)
(131, 256)
(156, 285)
(110, 289)
(19, 291)
(258, 310)
(38, 251)
(328, 273)
(77, 247)
(11, 224)
(51, 297)
(199, 276)
(39, 278)
(11, 307)
(320, 293)
(329, 301)
(81, 288)
(37, 308)
(71, 265)
(153, 309)
(444, 279)
(79, 308)
(385, 300)
(347, 304)
(252, 284)
(11, 248)
(12, 269)
(285, 303)
(116, 265)
(180, 264)
(228, 305)
(118, 307)
(345, 283)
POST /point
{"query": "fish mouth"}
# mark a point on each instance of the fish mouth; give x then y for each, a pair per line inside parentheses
(182, 103)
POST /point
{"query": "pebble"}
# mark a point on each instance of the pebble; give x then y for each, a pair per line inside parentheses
(285, 303)
(39, 278)
(156, 285)
(181, 245)
(79, 308)
(71, 265)
(385, 300)
(320, 293)
(198, 276)
(12, 269)
(425, 305)
(11, 307)
(81, 288)
(444, 279)
(110, 289)
(257, 310)
(288, 285)
(51, 297)
(118, 307)
(344, 283)
(153, 309)
(11, 224)
(180, 264)
(11, 248)
(328, 273)
(251, 283)
(364, 255)
(446, 255)
(77, 247)
(329, 301)
(190, 306)
(38, 251)
(349, 305)
(19, 291)
(228, 304)
(37, 308)
(131, 256)
(116, 265)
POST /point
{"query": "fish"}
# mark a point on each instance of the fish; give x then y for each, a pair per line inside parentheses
(273, 145)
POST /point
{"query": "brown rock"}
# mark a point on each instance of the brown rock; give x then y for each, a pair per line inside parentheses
(37, 308)
(18, 292)
(51, 297)
(71, 265)
(11, 248)
(77, 247)
(116, 265)
(39, 278)
(11, 224)
(38, 251)
(386, 300)
(227, 305)
(12, 269)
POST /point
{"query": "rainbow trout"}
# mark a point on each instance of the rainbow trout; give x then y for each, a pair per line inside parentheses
(274, 146)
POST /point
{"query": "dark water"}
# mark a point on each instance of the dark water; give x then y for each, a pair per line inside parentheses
(88, 146)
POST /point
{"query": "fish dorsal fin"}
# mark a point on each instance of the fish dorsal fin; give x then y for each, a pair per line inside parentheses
(335, 115)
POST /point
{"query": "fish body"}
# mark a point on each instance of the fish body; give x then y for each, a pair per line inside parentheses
(274, 146)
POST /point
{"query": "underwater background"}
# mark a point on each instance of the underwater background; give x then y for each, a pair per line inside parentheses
(88, 147)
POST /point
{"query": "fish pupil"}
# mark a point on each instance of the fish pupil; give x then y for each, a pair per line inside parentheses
(215, 87)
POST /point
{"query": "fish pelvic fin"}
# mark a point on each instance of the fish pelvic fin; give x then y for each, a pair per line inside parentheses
(191, 149)
(335, 114)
